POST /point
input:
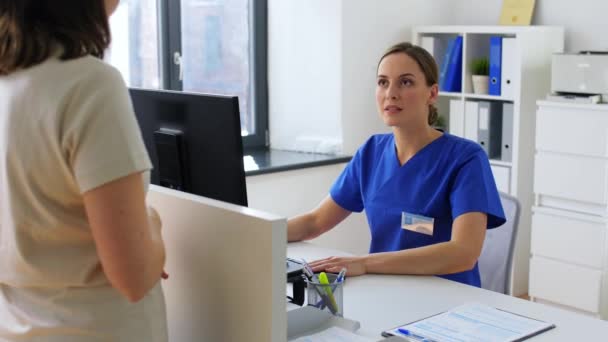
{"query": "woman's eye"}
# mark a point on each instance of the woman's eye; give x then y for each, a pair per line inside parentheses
(382, 82)
(407, 82)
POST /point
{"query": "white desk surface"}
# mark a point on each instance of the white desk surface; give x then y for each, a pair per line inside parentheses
(380, 302)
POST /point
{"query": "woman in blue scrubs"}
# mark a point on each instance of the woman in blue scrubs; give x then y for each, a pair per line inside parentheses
(429, 196)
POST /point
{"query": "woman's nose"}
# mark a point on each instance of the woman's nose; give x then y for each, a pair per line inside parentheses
(392, 93)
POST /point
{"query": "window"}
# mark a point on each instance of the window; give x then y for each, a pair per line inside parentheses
(208, 46)
(135, 43)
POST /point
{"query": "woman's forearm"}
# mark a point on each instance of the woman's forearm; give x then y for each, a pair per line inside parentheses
(301, 228)
(442, 258)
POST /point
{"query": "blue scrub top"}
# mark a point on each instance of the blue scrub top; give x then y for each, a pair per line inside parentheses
(447, 178)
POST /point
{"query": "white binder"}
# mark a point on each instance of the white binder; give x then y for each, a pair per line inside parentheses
(510, 67)
(456, 124)
(506, 151)
(471, 118)
(490, 127)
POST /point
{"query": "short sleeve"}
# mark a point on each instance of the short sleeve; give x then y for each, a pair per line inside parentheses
(474, 190)
(102, 138)
(346, 190)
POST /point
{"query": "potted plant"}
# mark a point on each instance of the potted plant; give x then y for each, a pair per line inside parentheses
(480, 68)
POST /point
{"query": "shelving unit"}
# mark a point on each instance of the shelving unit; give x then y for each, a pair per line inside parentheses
(531, 71)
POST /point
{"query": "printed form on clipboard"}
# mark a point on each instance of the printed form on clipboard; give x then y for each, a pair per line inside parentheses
(472, 322)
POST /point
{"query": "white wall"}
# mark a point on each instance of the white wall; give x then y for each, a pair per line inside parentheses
(304, 74)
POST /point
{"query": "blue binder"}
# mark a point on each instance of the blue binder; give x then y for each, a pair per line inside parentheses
(453, 74)
(445, 64)
(495, 65)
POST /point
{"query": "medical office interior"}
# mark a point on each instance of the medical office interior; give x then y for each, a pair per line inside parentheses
(305, 78)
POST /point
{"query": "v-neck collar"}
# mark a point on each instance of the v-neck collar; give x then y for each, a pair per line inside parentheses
(395, 157)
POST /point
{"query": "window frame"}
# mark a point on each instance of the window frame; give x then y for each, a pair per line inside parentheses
(170, 40)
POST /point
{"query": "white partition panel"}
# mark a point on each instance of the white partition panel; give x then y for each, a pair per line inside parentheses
(226, 266)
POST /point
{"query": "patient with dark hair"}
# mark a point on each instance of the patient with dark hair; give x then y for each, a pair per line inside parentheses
(81, 255)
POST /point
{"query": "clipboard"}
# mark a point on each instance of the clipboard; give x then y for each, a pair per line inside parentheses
(477, 321)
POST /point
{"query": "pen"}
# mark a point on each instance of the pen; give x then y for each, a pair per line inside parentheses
(333, 306)
(324, 299)
(417, 337)
(340, 277)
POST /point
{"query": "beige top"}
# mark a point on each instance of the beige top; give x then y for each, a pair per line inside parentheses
(65, 128)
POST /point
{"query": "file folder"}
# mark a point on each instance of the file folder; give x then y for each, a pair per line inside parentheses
(445, 63)
(456, 118)
(495, 65)
(510, 67)
(490, 127)
(506, 153)
(471, 117)
(453, 74)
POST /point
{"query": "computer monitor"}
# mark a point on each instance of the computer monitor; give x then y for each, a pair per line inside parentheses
(194, 142)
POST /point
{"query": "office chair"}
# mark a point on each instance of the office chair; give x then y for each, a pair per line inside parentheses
(497, 253)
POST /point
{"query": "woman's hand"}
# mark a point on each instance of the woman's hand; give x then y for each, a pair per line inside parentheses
(156, 225)
(355, 266)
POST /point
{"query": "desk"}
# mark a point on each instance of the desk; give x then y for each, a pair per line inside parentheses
(380, 302)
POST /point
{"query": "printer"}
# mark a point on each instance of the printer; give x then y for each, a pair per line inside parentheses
(584, 73)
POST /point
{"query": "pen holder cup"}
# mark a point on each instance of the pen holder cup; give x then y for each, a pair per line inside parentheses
(326, 297)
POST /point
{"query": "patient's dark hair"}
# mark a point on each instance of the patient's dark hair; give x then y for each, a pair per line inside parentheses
(32, 30)
(427, 64)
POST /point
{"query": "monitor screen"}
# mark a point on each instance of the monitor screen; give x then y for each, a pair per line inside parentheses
(194, 142)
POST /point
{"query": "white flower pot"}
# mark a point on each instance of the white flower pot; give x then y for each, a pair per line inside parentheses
(480, 84)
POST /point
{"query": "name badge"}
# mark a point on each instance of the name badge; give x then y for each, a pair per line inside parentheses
(417, 223)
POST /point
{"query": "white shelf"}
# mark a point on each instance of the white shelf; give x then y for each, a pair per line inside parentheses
(501, 30)
(475, 96)
(497, 162)
(450, 94)
(487, 97)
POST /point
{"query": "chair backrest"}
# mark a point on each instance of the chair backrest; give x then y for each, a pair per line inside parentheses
(497, 253)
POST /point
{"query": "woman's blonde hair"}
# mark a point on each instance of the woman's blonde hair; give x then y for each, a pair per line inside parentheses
(427, 64)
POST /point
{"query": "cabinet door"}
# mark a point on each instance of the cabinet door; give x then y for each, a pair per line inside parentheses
(562, 283)
(568, 239)
(572, 130)
(571, 177)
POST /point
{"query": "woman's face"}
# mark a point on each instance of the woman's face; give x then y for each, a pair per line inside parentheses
(402, 95)
(111, 6)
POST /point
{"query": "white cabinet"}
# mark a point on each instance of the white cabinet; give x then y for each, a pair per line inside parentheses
(529, 66)
(569, 250)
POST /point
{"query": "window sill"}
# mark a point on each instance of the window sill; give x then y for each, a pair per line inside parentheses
(264, 161)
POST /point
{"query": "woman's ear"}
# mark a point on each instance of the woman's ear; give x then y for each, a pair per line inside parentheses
(434, 93)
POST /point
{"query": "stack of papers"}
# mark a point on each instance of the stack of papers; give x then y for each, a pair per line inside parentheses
(472, 322)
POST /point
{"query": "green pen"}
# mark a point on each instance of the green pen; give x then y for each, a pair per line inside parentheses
(332, 301)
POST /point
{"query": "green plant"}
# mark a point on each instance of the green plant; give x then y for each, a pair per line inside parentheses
(480, 66)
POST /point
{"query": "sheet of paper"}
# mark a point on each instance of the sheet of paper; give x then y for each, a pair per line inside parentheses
(474, 322)
(333, 334)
